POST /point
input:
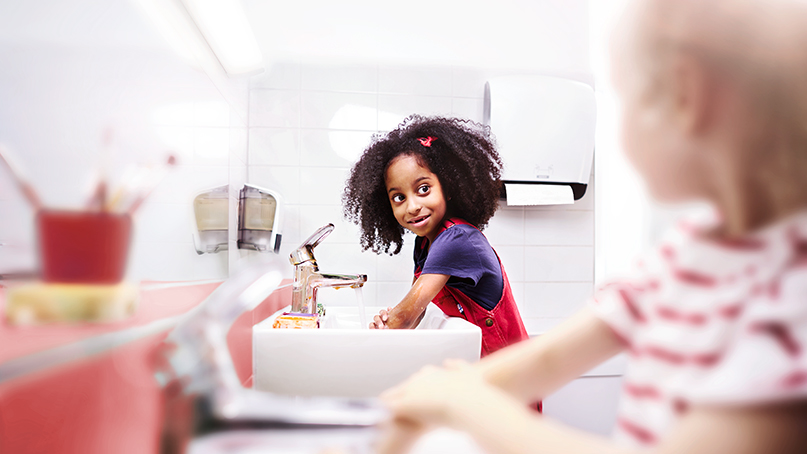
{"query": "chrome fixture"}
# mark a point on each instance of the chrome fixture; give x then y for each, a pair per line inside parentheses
(199, 362)
(308, 279)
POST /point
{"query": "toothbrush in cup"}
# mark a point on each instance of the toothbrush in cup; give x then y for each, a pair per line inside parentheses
(22, 183)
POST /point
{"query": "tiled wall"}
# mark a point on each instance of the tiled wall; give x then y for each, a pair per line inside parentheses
(57, 103)
(309, 122)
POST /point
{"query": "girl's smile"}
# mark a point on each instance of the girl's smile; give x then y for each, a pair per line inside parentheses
(416, 196)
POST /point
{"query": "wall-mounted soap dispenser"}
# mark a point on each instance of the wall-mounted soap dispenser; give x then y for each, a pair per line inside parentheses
(211, 212)
(260, 217)
(544, 129)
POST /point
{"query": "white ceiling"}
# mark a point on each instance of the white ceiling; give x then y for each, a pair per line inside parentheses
(504, 33)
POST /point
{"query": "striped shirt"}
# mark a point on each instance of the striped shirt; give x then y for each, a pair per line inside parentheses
(709, 322)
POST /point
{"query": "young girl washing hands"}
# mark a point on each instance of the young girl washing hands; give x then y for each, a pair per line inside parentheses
(440, 179)
(714, 320)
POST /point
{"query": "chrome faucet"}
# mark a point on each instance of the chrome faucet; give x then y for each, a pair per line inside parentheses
(308, 279)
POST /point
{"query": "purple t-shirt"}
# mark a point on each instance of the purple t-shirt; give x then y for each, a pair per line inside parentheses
(463, 252)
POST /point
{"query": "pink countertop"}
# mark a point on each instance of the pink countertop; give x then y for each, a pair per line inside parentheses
(157, 301)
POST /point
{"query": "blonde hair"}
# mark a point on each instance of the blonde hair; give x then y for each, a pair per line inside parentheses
(759, 46)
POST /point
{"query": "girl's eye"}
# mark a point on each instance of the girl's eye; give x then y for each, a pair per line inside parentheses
(423, 189)
(398, 198)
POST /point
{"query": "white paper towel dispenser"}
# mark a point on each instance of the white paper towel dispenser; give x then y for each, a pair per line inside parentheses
(544, 128)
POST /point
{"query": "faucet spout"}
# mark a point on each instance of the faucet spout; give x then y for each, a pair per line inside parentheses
(307, 278)
(338, 280)
(315, 281)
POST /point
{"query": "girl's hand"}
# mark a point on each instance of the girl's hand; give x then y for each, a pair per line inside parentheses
(380, 320)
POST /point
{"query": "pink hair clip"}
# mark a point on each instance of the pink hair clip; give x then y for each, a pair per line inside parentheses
(427, 141)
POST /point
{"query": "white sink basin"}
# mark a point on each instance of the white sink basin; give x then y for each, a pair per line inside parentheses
(343, 359)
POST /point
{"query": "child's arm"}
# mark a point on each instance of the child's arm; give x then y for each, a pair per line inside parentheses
(533, 369)
(407, 313)
(461, 399)
(487, 400)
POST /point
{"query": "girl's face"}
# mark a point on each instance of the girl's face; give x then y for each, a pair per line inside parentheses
(416, 196)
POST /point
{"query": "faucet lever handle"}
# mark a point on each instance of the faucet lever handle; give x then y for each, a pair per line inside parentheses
(305, 253)
(317, 237)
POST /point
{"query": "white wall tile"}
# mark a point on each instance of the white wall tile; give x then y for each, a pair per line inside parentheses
(518, 294)
(163, 262)
(283, 75)
(239, 144)
(163, 222)
(512, 258)
(179, 139)
(468, 108)
(414, 81)
(274, 108)
(470, 82)
(66, 184)
(399, 267)
(206, 177)
(211, 114)
(211, 266)
(506, 227)
(322, 185)
(391, 293)
(346, 297)
(540, 325)
(340, 258)
(178, 186)
(332, 148)
(211, 146)
(351, 111)
(555, 299)
(392, 109)
(559, 228)
(285, 180)
(274, 147)
(238, 177)
(292, 234)
(342, 78)
(589, 404)
(312, 217)
(558, 264)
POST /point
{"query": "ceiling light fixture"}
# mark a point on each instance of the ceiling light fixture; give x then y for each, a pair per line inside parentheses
(200, 29)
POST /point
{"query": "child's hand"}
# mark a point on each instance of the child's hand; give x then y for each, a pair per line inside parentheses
(380, 320)
(439, 396)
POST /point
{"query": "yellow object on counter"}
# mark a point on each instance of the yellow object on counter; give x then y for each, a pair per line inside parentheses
(38, 303)
(294, 320)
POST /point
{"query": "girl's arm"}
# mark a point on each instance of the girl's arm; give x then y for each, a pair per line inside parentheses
(407, 313)
(533, 369)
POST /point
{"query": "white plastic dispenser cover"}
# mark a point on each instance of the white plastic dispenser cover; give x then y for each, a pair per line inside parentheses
(544, 129)
(211, 213)
(259, 219)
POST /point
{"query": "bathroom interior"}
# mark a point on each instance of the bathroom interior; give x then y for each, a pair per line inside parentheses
(233, 168)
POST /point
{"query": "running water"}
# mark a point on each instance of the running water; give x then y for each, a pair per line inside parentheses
(362, 316)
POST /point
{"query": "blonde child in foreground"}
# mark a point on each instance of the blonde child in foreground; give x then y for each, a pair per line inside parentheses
(715, 320)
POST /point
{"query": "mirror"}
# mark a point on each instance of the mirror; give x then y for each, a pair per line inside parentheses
(94, 96)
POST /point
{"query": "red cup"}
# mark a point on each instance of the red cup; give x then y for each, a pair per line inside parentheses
(83, 247)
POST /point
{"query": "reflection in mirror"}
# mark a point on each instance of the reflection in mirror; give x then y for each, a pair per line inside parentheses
(95, 100)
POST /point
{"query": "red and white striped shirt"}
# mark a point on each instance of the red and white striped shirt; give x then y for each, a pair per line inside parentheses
(710, 322)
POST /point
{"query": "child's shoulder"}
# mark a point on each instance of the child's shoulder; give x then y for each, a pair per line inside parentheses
(462, 236)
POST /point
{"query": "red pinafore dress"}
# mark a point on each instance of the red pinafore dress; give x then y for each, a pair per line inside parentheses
(500, 327)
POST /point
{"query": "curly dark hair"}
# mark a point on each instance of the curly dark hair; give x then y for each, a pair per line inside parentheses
(463, 157)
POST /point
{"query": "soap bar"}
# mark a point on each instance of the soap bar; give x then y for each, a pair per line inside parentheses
(296, 320)
(39, 303)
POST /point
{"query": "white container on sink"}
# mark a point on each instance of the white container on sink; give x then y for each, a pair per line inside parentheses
(344, 359)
